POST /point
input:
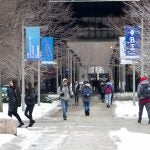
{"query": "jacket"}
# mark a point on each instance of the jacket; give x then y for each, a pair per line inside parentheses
(65, 92)
(12, 99)
(30, 98)
(83, 98)
(139, 89)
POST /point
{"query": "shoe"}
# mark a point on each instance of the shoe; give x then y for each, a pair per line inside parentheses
(33, 121)
(139, 120)
(65, 118)
(30, 125)
(20, 125)
(85, 113)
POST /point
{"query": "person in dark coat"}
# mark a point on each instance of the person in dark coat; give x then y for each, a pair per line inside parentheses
(76, 93)
(14, 101)
(30, 101)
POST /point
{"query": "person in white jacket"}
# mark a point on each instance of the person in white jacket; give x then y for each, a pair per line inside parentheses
(65, 93)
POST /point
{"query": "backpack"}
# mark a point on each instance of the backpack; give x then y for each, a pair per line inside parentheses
(145, 90)
(86, 92)
(107, 89)
(18, 97)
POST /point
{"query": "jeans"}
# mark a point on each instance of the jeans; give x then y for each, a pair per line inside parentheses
(108, 98)
(86, 106)
(141, 106)
(28, 112)
(76, 99)
(64, 104)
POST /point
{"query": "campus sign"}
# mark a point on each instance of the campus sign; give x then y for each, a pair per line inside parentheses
(47, 50)
(32, 43)
(123, 59)
(132, 42)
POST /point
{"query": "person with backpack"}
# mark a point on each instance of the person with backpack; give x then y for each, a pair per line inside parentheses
(86, 94)
(65, 93)
(30, 101)
(14, 101)
(108, 92)
(143, 93)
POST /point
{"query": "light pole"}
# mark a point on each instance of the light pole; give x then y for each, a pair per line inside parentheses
(142, 40)
(23, 68)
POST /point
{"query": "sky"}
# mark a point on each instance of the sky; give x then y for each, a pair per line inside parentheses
(124, 139)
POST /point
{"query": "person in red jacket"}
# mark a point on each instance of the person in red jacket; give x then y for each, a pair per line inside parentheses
(143, 93)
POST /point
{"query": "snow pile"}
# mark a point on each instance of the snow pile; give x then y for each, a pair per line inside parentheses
(126, 140)
(126, 110)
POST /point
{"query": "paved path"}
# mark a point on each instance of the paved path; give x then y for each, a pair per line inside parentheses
(78, 132)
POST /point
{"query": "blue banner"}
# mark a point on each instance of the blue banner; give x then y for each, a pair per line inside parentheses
(47, 50)
(32, 43)
(132, 41)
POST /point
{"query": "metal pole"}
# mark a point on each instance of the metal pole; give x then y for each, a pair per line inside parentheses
(23, 69)
(57, 69)
(1, 102)
(68, 67)
(133, 82)
(142, 40)
(39, 83)
(71, 68)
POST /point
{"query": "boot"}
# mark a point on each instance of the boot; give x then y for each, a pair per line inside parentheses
(20, 125)
(139, 120)
(85, 113)
(88, 112)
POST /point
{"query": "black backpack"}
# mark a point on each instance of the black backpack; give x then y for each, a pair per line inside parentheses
(145, 92)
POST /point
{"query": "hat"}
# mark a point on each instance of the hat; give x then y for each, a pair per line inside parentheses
(65, 79)
(143, 78)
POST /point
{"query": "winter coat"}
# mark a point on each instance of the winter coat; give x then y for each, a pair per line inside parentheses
(65, 92)
(139, 89)
(12, 99)
(30, 97)
(83, 98)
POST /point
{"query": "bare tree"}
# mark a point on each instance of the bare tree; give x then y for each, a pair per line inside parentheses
(56, 17)
(136, 12)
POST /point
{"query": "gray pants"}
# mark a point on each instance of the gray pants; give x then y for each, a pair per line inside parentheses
(141, 106)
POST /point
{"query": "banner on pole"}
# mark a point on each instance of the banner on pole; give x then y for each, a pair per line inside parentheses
(123, 59)
(132, 42)
(47, 50)
(32, 43)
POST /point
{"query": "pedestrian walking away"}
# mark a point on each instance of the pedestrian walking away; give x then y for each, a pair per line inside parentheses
(102, 91)
(108, 92)
(143, 92)
(30, 101)
(65, 93)
(14, 100)
(86, 96)
(76, 93)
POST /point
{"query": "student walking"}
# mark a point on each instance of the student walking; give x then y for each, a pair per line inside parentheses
(30, 101)
(143, 92)
(14, 101)
(108, 92)
(86, 94)
(65, 92)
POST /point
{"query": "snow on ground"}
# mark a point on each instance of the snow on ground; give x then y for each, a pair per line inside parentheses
(38, 112)
(126, 140)
(126, 110)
